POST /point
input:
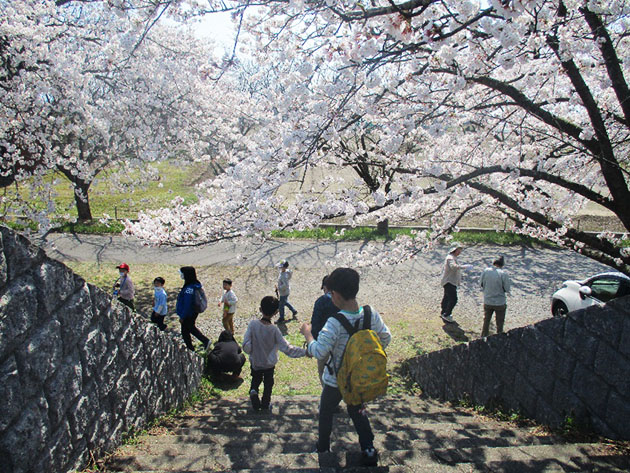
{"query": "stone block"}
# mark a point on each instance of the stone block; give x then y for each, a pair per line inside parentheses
(566, 403)
(590, 388)
(580, 343)
(10, 393)
(19, 253)
(41, 355)
(526, 396)
(60, 448)
(605, 323)
(56, 283)
(613, 368)
(622, 305)
(624, 342)
(532, 340)
(546, 414)
(83, 412)
(119, 318)
(63, 388)
(552, 328)
(618, 415)
(23, 441)
(18, 314)
(487, 387)
(540, 377)
(75, 316)
(564, 366)
(93, 347)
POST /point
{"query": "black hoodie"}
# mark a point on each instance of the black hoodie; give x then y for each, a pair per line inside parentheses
(225, 355)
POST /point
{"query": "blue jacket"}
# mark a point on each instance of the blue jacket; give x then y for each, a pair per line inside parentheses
(322, 309)
(185, 306)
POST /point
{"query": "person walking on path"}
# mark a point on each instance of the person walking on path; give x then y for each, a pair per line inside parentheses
(123, 287)
(159, 303)
(451, 279)
(262, 342)
(226, 356)
(229, 300)
(495, 284)
(331, 342)
(190, 302)
(322, 310)
(283, 289)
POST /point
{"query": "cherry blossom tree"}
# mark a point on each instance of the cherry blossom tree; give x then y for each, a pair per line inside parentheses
(87, 84)
(519, 108)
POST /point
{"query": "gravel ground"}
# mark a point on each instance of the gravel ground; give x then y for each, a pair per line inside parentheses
(410, 291)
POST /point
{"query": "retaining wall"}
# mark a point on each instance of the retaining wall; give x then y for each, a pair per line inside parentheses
(77, 371)
(577, 366)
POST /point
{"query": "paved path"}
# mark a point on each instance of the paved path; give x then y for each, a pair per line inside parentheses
(536, 272)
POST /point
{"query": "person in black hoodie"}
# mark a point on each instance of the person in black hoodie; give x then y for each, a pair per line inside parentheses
(226, 356)
(187, 307)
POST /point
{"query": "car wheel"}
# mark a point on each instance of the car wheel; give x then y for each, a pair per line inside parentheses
(559, 309)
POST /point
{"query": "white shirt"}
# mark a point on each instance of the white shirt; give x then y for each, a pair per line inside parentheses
(495, 284)
(230, 299)
(284, 289)
(262, 342)
(452, 272)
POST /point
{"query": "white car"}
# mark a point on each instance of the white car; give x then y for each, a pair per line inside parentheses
(597, 289)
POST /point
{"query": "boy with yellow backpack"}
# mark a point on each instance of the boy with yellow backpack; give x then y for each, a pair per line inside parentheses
(354, 339)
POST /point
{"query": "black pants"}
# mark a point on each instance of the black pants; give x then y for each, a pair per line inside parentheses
(188, 329)
(450, 299)
(265, 377)
(331, 397)
(217, 367)
(158, 320)
(128, 302)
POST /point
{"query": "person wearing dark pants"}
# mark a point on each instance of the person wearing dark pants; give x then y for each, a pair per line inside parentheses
(187, 307)
(331, 397)
(262, 341)
(266, 378)
(226, 356)
(449, 300)
(451, 279)
(331, 342)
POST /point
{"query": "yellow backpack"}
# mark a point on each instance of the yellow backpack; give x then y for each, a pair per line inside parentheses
(362, 375)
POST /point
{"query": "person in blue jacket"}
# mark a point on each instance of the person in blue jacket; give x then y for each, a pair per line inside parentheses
(187, 309)
(322, 310)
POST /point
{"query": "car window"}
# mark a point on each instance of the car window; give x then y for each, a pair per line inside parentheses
(624, 289)
(604, 289)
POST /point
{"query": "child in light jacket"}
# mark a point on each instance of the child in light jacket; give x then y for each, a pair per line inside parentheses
(262, 341)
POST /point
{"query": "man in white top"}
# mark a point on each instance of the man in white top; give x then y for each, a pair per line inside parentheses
(495, 284)
(451, 279)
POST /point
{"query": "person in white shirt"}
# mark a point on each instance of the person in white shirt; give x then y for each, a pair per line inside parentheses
(229, 300)
(495, 284)
(262, 342)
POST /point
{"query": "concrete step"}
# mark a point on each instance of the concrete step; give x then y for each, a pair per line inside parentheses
(444, 435)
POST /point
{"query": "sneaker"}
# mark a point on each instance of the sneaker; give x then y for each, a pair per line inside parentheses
(253, 396)
(295, 315)
(447, 319)
(268, 409)
(369, 457)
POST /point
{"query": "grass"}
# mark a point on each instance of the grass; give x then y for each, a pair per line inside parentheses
(173, 179)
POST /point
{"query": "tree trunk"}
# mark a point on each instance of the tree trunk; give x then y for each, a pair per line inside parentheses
(382, 227)
(82, 199)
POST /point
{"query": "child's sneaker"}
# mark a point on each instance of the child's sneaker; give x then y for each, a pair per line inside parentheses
(317, 449)
(369, 457)
(253, 396)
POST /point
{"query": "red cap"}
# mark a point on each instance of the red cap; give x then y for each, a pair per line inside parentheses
(123, 266)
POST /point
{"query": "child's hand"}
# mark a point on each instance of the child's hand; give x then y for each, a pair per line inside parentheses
(305, 329)
(219, 304)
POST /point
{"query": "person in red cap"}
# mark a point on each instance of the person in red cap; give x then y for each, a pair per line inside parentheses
(123, 288)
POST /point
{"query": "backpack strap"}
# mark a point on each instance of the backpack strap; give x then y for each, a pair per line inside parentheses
(367, 317)
(345, 323)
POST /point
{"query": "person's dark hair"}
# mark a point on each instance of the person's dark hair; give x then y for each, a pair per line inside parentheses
(227, 281)
(226, 336)
(499, 262)
(285, 264)
(269, 305)
(345, 281)
(190, 275)
(160, 280)
(324, 285)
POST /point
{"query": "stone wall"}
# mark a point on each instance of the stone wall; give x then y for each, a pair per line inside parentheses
(77, 371)
(577, 366)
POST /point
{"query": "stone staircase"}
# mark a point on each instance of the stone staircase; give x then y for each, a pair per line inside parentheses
(412, 435)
